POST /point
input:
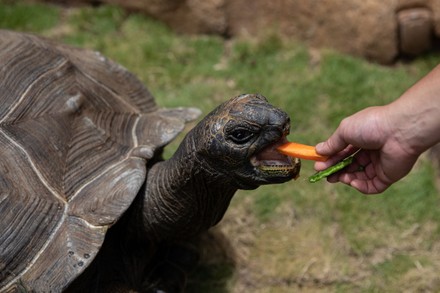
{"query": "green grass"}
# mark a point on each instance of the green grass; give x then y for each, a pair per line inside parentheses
(265, 204)
(317, 89)
(25, 17)
(395, 266)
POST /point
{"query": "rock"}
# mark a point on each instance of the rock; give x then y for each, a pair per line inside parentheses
(366, 28)
(184, 16)
(358, 27)
(415, 30)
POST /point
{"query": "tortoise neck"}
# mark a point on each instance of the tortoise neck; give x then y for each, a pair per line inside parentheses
(184, 196)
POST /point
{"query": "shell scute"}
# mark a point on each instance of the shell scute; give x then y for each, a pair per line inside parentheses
(76, 132)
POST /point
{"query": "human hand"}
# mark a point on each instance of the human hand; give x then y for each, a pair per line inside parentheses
(383, 159)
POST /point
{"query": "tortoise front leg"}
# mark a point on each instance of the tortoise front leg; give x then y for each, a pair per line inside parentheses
(170, 266)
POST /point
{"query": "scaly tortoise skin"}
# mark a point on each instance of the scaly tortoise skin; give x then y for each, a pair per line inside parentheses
(86, 202)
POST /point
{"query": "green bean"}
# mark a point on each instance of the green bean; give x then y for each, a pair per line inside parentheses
(332, 169)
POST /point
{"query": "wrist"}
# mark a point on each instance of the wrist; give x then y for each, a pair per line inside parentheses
(415, 119)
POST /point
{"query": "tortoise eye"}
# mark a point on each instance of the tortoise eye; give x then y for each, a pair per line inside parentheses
(241, 136)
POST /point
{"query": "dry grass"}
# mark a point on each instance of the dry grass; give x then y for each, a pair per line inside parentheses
(293, 253)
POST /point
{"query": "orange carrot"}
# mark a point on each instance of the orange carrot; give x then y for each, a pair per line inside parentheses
(302, 151)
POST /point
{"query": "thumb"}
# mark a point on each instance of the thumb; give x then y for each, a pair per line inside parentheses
(334, 144)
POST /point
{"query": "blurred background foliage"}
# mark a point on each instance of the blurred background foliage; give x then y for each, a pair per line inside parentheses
(296, 236)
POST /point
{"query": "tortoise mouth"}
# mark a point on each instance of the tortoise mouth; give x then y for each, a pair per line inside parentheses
(270, 163)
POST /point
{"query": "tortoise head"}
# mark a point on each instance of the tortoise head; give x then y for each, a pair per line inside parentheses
(241, 137)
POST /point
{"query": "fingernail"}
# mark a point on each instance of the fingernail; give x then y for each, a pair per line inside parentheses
(319, 146)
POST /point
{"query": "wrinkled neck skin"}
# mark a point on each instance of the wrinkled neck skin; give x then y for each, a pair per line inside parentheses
(183, 195)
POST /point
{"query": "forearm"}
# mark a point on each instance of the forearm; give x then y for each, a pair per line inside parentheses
(416, 114)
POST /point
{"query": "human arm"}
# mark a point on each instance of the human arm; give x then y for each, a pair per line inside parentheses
(391, 137)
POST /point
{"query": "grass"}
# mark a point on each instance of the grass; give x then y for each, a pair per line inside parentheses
(314, 237)
(20, 16)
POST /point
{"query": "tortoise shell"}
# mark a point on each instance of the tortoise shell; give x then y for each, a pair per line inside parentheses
(76, 132)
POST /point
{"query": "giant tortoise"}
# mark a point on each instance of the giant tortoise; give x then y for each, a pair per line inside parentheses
(86, 201)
